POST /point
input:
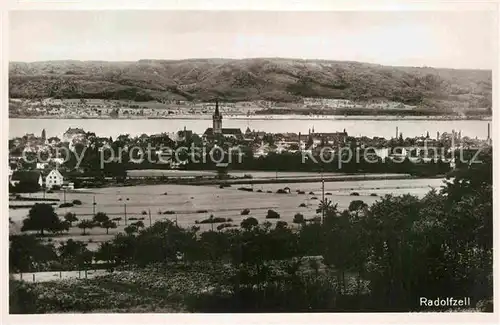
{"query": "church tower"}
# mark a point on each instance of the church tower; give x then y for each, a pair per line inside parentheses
(217, 119)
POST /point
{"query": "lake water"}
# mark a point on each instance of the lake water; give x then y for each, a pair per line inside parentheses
(355, 127)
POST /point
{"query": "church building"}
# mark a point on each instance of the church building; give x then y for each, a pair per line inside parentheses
(217, 129)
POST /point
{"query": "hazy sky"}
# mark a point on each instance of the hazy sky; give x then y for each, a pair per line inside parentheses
(454, 39)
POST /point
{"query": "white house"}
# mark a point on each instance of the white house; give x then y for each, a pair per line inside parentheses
(54, 178)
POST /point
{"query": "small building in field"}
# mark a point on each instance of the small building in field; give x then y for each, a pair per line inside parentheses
(54, 178)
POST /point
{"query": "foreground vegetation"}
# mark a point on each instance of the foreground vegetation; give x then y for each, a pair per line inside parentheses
(382, 257)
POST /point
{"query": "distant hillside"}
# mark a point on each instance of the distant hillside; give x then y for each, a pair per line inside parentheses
(282, 80)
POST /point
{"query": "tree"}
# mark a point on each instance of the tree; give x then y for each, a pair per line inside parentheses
(27, 253)
(107, 225)
(326, 206)
(271, 214)
(105, 252)
(42, 217)
(138, 224)
(86, 224)
(131, 229)
(100, 217)
(70, 217)
(71, 250)
(62, 226)
(281, 225)
(357, 205)
(298, 218)
(249, 223)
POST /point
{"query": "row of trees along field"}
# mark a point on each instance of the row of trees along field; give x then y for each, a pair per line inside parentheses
(371, 258)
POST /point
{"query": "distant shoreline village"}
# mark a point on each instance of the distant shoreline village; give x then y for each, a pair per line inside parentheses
(309, 109)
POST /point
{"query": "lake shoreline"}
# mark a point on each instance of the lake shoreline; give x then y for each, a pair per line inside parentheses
(272, 117)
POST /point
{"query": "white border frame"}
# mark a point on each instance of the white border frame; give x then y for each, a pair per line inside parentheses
(269, 5)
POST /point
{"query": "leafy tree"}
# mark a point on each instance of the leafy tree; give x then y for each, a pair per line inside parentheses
(100, 217)
(70, 217)
(130, 229)
(72, 251)
(249, 223)
(298, 218)
(271, 214)
(62, 226)
(27, 253)
(138, 224)
(281, 225)
(105, 252)
(86, 224)
(42, 217)
(357, 205)
(108, 224)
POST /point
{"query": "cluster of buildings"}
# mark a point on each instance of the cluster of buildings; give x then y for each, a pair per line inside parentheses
(51, 180)
(49, 173)
(327, 103)
(97, 108)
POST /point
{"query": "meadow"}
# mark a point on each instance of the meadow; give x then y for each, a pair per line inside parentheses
(151, 201)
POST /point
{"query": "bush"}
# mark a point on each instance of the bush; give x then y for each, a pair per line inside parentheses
(144, 213)
(269, 191)
(214, 220)
(169, 212)
(328, 193)
(301, 192)
(245, 212)
(56, 187)
(281, 191)
(132, 219)
(271, 214)
(201, 211)
(225, 225)
(373, 194)
(314, 219)
(77, 202)
(247, 189)
(260, 191)
(302, 205)
(66, 205)
(314, 198)
(311, 193)
(354, 194)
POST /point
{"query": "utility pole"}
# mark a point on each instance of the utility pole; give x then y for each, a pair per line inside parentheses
(93, 206)
(125, 210)
(149, 211)
(64, 195)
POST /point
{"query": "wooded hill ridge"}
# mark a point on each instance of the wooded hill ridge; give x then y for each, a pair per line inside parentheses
(272, 79)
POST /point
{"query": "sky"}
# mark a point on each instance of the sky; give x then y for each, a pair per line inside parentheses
(450, 39)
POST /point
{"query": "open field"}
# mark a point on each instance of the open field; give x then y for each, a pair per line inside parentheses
(186, 200)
